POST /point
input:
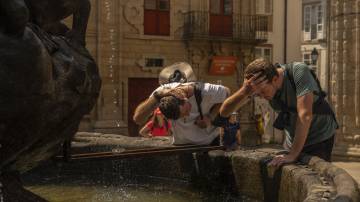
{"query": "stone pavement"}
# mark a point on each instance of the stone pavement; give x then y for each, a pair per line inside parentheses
(353, 168)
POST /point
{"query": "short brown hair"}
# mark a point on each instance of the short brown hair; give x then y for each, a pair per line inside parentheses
(170, 107)
(263, 66)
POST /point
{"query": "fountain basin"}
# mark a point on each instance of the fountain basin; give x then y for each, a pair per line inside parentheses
(237, 172)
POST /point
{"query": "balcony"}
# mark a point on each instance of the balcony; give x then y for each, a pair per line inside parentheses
(249, 29)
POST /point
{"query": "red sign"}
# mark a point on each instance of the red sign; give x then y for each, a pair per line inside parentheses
(223, 65)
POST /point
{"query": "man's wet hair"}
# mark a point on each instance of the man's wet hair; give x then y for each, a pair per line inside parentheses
(170, 107)
(261, 65)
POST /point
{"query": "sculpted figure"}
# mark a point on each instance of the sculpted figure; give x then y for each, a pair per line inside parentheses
(47, 84)
(47, 14)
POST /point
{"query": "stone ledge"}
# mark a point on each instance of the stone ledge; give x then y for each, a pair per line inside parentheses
(315, 180)
(346, 187)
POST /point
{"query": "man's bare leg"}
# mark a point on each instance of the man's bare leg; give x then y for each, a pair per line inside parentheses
(80, 21)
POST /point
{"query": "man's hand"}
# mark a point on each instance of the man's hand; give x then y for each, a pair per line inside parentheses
(254, 83)
(282, 159)
(162, 93)
(176, 92)
(203, 123)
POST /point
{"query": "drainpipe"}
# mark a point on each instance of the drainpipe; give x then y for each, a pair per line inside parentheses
(285, 30)
(329, 48)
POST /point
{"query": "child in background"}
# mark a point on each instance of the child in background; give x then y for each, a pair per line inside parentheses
(230, 133)
(157, 126)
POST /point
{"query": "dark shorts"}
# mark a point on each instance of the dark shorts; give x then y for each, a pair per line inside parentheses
(322, 149)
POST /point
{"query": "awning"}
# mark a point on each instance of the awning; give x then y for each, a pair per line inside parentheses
(223, 65)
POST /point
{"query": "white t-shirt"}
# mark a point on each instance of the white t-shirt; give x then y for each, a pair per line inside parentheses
(184, 130)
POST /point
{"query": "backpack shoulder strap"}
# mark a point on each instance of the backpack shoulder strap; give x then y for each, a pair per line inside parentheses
(321, 92)
(290, 72)
(198, 97)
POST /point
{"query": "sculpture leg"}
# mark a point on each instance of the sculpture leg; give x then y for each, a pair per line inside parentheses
(16, 15)
(80, 21)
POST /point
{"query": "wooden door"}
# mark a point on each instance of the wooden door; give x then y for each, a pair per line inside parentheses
(139, 90)
(221, 22)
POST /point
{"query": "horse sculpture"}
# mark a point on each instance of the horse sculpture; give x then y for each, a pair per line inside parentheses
(47, 14)
(47, 83)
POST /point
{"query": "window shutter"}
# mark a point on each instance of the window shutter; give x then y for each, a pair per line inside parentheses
(157, 17)
(268, 7)
(264, 7)
(307, 23)
(150, 4)
(215, 6)
(260, 7)
(320, 22)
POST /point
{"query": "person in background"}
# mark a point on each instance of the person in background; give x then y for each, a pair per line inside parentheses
(230, 133)
(157, 126)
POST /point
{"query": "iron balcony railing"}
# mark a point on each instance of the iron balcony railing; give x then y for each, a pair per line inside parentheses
(243, 28)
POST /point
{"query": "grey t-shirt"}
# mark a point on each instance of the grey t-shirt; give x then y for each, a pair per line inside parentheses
(322, 126)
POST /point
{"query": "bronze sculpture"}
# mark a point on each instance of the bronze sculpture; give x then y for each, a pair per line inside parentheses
(48, 81)
(47, 14)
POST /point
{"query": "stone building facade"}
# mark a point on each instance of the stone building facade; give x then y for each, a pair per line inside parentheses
(129, 59)
(344, 59)
(132, 40)
(314, 38)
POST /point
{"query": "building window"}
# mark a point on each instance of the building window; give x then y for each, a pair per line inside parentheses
(313, 21)
(154, 62)
(157, 17)
(264, 7)
(221, 21)
(221, 7)
(264, 52)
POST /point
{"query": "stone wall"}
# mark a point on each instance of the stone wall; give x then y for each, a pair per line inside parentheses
(345, 74)
(116, 38)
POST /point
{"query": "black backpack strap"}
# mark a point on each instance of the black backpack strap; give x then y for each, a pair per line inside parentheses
(321, 106)
(290, 72)
(198, 97)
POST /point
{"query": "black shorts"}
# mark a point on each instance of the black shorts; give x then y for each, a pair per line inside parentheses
(322, 149)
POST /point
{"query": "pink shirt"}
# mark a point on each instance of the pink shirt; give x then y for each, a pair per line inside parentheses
(156, 131)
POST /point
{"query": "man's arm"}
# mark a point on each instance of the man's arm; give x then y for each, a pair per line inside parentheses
(303, 122)
(145, 131)
(144, 110)
(234, 102)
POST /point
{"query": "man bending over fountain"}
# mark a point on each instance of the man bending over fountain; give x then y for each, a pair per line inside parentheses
(294, 91)
(177, 101)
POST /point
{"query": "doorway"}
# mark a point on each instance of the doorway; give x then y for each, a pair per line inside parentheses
(139, 90)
